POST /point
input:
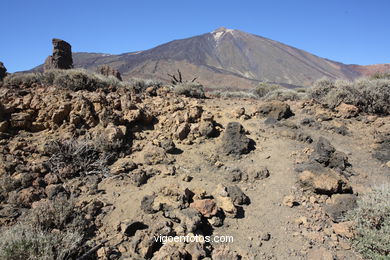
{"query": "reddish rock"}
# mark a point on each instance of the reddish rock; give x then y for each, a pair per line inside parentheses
(206, 207)
(347, 111)
(344, 229)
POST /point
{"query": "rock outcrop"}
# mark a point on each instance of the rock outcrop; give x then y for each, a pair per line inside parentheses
(3, 71)
(61, 57)
(109, 71)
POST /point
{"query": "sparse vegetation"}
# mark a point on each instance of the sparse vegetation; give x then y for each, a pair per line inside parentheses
(79, 79)
(74, 79)
(186, 87)
(178, 79)
(140, 85)
(381, 75)
(372, 219)
(370, 95)
(233, 94)
(283, 95)
(72, 157)
(26, 79)
(194, 90)
(264, 88)
(270, 91)
(53, 230)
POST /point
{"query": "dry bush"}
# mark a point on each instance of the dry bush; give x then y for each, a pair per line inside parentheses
(370, 95)
(53, 230)
(56, 214)
(264, 88)
(26, 79)
(372, 219)
(233, 94)
(189, 89)
(79, 79)
(71, 157)
(283, 95)
(74, 79)
(380, 75)
(140, 85)
(23, 242)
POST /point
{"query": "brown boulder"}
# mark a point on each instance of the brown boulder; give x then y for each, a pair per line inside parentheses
(155, 155)
(182, 131)
(206, 207)
(324, 183)
(347, 111)
(61, 57)
(275, 109)
(344, 229)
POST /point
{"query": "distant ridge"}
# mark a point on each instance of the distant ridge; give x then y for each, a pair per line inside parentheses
(227, 58)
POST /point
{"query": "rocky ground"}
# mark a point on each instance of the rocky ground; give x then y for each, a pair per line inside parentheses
(276, 176)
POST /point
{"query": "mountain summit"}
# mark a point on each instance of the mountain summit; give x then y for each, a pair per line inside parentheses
(224, 58)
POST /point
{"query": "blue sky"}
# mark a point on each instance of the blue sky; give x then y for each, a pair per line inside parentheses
(349, 31)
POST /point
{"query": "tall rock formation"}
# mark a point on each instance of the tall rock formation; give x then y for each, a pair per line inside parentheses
(3, 71)
(61, 57)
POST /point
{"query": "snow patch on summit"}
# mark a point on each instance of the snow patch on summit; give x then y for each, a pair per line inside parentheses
(220, 32)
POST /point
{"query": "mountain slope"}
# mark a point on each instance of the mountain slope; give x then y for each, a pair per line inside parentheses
(224, 58)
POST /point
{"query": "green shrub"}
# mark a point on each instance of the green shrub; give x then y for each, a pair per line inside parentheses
(189, 89)
(369, 95)
(372, 219)
(264, 88)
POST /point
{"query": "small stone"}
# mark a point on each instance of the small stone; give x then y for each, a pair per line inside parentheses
(102, 253)
(216, 221)
(345, 245)
(238, 112)
(312, 199)
(289, 201)
(344, 229)
(187, 178)
(301, 221)
(319, 254)
(227, 205)
(266, 237)
(238, 197)
(129, 228)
